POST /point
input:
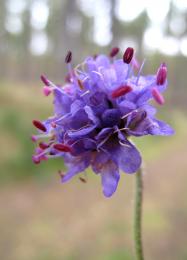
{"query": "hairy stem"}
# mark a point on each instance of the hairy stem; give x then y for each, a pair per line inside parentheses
(138, 215)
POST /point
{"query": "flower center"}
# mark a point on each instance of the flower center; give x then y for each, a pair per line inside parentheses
(111, 117)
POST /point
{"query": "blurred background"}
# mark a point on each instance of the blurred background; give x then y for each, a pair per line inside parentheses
(41, 219)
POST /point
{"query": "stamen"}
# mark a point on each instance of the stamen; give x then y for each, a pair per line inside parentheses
(128, 54)
(121, 129)
(45, 80)
(82, 179)
(39, 125)
(53, 124)
(137, 119)
(43, 145)
(61, 174)
(123, 144)
(135, 63)
(104, 141)
(98, 73)
(157, 96)
(85, 93)
(68, 78)
(61, 118)
(34, 138)
(139, 72)
(83, 127)
(121, 91)
(87, 77)
(48, 83)
(35, 159)
(161, 74)
(46, 91)
(128, 114)
(80, 84)
(114, 52)
(62, 147)
(68, 57)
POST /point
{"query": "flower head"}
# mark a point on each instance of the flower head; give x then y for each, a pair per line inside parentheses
(102, 104)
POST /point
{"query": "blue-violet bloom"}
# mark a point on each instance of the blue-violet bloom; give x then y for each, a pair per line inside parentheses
(102, 104)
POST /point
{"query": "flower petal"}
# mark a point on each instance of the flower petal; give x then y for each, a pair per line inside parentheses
(109, 178)
(102, 61)
(75, 166)
(91, 115)
(81, 132)
(62, 103)
(127, 157)
(83, 145)
(160, 128)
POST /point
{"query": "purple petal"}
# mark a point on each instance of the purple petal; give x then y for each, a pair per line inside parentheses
(76, 105)
(126, 106)
(109, 178)
(79, 119)
(75, 166)
(128, 157)
(138, 123)
(102, 61)
(151, 111)
(160, 128)
(98, 160)
(83, 145)
(109, 77)
(61, 103)
(81, 132)
(121, 70)
(104, 133)
(91, 115)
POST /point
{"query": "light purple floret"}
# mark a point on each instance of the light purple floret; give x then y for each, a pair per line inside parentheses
(95, 113)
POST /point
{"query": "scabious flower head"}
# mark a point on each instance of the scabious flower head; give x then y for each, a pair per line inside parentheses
(101, 105)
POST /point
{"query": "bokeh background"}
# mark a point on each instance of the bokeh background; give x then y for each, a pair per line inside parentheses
(41, 219)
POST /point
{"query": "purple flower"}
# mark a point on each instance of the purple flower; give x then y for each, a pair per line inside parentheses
(102, 104)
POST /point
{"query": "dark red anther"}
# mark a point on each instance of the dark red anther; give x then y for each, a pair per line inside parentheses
(39, 125)
(114, 52)
(62, 148)
(82, 179)
(128, 55)
(121, 91)
(45, 80)
(161, 74)
(68, 57)
(43, 146)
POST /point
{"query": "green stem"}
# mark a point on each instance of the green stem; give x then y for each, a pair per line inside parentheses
(138, 215)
